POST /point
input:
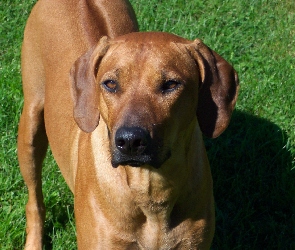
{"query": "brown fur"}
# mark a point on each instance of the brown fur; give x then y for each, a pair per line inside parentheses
(161, 196)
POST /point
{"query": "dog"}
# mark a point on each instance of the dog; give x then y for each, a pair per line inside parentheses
(123, 112)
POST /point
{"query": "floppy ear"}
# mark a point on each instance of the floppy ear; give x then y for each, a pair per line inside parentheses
(83, 86)
(218, 90)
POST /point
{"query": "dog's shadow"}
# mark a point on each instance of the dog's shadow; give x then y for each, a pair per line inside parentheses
(253, 185)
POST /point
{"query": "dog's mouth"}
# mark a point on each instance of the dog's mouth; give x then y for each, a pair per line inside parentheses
(140, 161)
(133, 162)
(133, 146)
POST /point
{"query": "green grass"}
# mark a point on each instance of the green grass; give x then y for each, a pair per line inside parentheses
(253, 162)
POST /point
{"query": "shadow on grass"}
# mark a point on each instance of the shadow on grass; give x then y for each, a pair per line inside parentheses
(59, 226)
(253, 186)
(60, 232)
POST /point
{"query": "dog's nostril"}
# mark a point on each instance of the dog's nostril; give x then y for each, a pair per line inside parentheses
(120, 143)
(139, 142)
(131, 141)
(136, 143)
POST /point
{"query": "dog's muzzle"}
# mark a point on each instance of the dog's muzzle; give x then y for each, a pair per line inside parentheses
(134, 146)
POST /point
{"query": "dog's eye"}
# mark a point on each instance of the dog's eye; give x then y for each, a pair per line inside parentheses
(110, 85)
(169, 86)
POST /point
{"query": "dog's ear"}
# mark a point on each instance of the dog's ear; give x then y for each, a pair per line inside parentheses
(83, 86)
(218, 89)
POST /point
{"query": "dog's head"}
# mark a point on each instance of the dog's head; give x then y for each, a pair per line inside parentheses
(148, 87)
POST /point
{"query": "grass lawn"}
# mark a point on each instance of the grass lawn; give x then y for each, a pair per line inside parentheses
(253, 162)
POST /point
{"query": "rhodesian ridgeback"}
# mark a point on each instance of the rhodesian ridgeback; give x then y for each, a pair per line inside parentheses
(124, 113)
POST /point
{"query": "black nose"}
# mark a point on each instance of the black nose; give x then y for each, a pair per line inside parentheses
(132, 140)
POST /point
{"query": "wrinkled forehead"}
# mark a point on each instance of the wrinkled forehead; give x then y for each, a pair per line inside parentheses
(154, 49)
